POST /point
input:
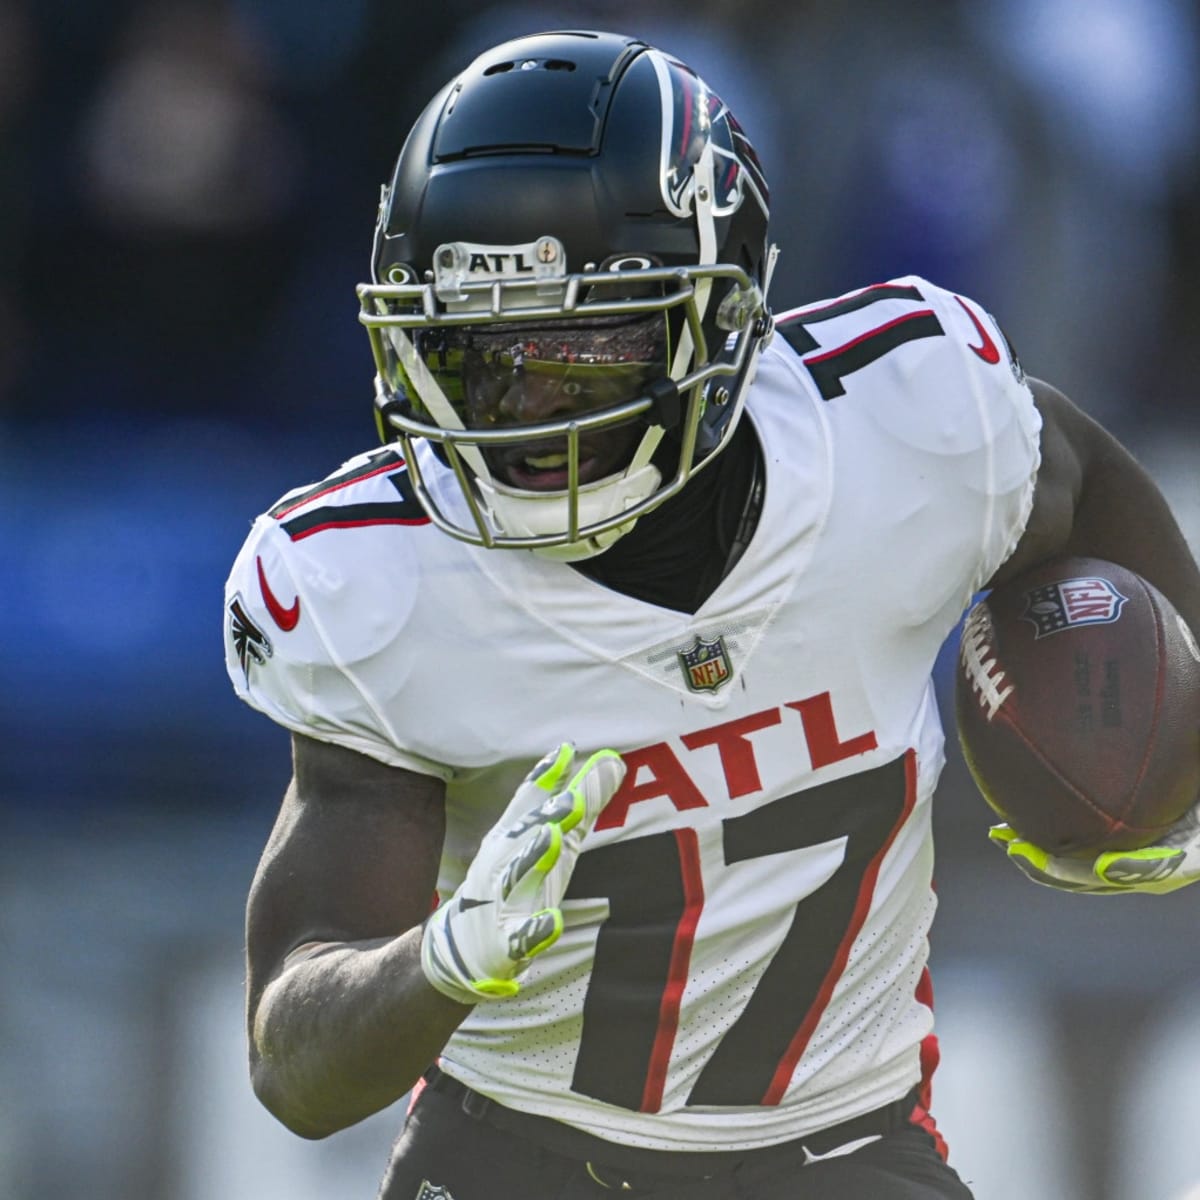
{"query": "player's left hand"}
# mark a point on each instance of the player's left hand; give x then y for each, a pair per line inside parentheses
(1171, 863)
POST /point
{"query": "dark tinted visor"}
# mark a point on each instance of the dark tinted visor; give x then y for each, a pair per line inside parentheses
(509, 374)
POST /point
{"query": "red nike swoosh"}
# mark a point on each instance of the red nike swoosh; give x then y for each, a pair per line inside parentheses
(989, 352)
(285, 618)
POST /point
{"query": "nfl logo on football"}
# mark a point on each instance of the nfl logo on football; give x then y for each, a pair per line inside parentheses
(705, 665)
(1071, 602)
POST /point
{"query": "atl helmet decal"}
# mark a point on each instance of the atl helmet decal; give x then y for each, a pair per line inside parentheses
(249, 642)
(705, 665)
(692, 117)
(1070, 602)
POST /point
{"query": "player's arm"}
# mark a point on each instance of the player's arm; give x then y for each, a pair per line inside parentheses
(341, 1018)
(352, 992)
(1094, 499)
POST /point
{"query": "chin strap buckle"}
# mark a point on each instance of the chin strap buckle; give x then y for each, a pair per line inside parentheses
(665, 406)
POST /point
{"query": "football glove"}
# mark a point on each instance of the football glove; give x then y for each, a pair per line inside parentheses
(1171, 863)
(506, 910)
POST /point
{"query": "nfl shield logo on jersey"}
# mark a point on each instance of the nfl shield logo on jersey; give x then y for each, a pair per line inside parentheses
(1058, 606)
(429, 1191)
(705, 665)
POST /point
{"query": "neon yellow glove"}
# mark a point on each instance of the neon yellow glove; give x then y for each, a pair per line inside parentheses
(1171, 863)
(506, 910)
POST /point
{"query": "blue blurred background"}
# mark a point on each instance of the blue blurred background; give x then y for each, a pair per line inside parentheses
(187, 194)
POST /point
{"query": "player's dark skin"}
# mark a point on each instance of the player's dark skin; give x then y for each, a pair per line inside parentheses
(528, 398)
(341, 1019)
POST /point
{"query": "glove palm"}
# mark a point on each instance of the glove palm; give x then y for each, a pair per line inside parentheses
(1171, 863)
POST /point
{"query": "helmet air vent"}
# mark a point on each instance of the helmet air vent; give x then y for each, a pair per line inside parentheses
(530, 64)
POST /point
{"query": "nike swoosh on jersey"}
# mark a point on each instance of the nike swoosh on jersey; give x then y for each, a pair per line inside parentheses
(286, 618)
(988, 351)
(839, 1151)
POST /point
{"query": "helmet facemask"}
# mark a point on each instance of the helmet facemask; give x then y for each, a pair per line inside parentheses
(550, 421)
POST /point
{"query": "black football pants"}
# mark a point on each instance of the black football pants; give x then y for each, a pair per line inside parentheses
(447, 1152)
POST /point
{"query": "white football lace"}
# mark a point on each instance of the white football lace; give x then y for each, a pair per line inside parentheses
(979, 661)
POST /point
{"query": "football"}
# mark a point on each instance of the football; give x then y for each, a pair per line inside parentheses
(1077, 698)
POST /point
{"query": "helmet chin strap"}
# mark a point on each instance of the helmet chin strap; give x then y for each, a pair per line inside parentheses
(434, 399)
(521, 513)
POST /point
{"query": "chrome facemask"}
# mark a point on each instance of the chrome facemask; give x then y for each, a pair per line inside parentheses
(529, 286)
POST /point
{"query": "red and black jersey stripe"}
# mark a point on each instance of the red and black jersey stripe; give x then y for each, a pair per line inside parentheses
(406, 510)
(829, 367)
(376, 463)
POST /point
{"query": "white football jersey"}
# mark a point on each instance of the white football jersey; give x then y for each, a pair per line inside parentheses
(746, 929)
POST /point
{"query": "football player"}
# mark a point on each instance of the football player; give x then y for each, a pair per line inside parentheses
(695, 562)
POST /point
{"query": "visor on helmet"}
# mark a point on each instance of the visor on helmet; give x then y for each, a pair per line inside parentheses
(512, 376)
(503, 375)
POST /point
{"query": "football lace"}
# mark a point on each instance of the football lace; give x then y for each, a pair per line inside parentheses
(979, 661)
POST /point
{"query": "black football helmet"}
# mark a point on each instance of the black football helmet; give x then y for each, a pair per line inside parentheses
(568, 289)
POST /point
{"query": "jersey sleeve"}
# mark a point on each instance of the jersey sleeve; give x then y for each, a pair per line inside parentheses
(282, 618)
(934, 435)
(991, 383)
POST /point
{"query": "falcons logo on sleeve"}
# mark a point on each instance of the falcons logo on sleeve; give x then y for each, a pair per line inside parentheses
(249, 642)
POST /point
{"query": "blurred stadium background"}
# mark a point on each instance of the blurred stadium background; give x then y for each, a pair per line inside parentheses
(187, 192)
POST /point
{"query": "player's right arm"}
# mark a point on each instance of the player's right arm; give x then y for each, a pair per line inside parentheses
(341, 1018)
(351, 991)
